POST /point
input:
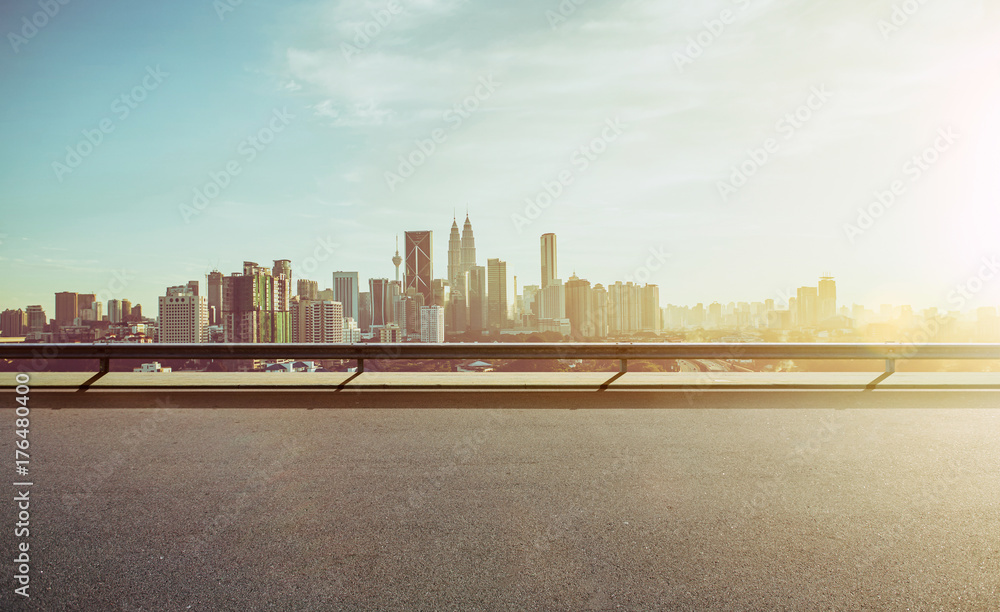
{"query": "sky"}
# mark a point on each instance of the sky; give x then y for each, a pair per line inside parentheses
(726, 150)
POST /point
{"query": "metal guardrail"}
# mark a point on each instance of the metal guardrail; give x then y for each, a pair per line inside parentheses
(620, 352)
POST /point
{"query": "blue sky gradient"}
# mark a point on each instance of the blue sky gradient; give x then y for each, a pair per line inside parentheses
(540, 83)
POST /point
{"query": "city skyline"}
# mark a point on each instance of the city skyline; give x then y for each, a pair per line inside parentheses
(873, 161)
(965, 299)
(259, 305)
(974, 292)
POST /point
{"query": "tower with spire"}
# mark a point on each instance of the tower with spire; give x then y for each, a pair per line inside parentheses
(454, 255)
(396, 259)
(468, 257)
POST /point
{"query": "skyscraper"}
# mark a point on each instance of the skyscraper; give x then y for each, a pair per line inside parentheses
(548, 259)
(432, 324)
(297, 318)
(364, 324)
(552, 300)
(419, 264)
(85, 301)
(183, 316)
(714, 315)
(399, 304)
(395, 294)
(114, 311)
(454, 254)
(580, 307)
(456, 314)
(468, 247)
(475, 283)
(599, 296)
(808, 306)
(282, 273)
(345, 291)
(461, 258)
(215, 297)
(67, 307)
(649, 308)
(307, 289)
(95, 312)
(253, 310)
(381, 301)
(13, 323)
(624, 308)
(324, 321)
(36, 319)
(827, 298)
(440, 292)
(282, 266)
(530, 301)
(497, 294)
(410, 305)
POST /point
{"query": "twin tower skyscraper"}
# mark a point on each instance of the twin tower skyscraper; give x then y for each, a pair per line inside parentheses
(463, 292)
(467, 303)
(474, 297)
(419, 260)
(461, 252)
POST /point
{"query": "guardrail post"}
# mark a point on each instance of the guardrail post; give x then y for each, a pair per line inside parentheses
(105, 365)
(623, 366)
(361, 366)
(890, 366)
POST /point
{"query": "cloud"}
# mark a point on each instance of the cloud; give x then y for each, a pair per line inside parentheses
(352, 115)
(617, 59)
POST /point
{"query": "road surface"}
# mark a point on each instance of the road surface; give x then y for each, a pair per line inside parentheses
(290, 509)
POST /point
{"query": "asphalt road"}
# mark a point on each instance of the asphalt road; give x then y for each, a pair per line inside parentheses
(253, 509)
